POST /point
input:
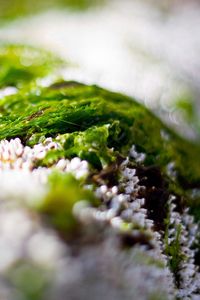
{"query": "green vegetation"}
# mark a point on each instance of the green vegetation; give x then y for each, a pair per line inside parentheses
(190, 112)
(173, 250)
(96, 125)
(100, 127)
(64, 192)
(90, 145)
(20, 65)
(17, 8)
(29, 280)
(89, 122)
(92, 123)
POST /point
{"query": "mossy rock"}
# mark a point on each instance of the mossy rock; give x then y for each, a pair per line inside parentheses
(91, 122)
(100, 127)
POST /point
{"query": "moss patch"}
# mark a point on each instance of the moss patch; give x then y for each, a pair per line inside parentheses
(89, 122)
(20, 65)
(14, 8)
(64, 192)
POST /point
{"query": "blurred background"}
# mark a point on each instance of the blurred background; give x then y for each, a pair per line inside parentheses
(148, 49)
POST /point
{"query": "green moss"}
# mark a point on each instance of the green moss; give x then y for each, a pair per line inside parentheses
(93, 115)
(173, 251)
(20, 64)
(51, 157)
(99, 126)
(189, 110)
(17, 8)
(90, 122)
(29, 281)
(63, 192)
(91, 145)
(173, 248)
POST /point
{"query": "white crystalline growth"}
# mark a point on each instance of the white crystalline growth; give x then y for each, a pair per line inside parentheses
(79, 168)
(139, 157)
(20, 178)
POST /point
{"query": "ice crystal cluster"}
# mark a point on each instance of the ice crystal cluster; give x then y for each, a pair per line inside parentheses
(98, 199)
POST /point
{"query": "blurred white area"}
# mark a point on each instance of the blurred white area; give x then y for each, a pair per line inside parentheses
(142, 49)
